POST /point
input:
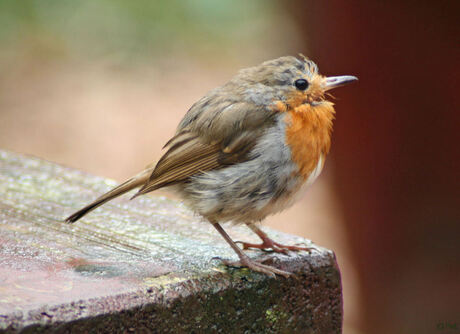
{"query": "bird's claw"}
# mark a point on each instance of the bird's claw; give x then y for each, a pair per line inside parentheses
(256, 266)
(272, 246)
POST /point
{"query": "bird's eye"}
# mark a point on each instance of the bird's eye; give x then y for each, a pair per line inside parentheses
(301, 84)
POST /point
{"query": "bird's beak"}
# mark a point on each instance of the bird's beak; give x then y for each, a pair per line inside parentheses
(334, 82)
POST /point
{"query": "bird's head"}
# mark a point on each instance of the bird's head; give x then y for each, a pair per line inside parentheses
(289, 80)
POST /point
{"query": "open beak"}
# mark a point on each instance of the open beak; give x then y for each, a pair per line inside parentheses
(334, 82)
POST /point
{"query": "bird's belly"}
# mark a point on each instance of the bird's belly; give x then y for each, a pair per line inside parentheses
(297, 192)
(247, 194)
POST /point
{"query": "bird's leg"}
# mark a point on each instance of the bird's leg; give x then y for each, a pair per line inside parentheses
(245, 261)
(268, 243)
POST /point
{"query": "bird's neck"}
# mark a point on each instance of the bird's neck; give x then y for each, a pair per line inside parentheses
(308, 134)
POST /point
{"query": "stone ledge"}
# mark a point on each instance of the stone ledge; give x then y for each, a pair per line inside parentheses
(142, 266)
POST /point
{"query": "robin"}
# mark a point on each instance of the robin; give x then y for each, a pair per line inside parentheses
(246, 150)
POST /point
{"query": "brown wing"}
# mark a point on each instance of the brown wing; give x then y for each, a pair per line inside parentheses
(189, 155)
(217, 131)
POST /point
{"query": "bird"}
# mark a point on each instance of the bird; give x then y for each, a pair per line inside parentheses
(246, 150)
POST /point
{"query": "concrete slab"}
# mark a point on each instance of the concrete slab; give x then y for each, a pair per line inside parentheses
(141, 266)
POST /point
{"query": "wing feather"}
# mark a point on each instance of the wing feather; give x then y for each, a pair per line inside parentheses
(182, 161)
(211, 136)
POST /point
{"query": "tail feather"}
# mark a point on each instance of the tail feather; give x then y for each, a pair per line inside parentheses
(134, 182)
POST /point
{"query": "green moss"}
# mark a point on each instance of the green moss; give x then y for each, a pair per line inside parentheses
(274, 315)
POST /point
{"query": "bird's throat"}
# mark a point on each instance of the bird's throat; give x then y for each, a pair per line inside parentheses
(308, 134)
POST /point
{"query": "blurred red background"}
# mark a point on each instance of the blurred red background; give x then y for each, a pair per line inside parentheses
(396, 154)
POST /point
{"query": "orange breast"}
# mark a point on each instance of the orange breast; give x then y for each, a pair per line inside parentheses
(308, 134)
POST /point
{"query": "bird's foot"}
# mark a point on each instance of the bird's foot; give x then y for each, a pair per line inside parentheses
(256, 266)
(270, 245)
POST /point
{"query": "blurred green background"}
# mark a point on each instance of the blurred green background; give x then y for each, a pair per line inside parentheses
(131, 32)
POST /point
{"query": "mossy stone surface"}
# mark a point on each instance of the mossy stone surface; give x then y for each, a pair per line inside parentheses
(142, 266)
